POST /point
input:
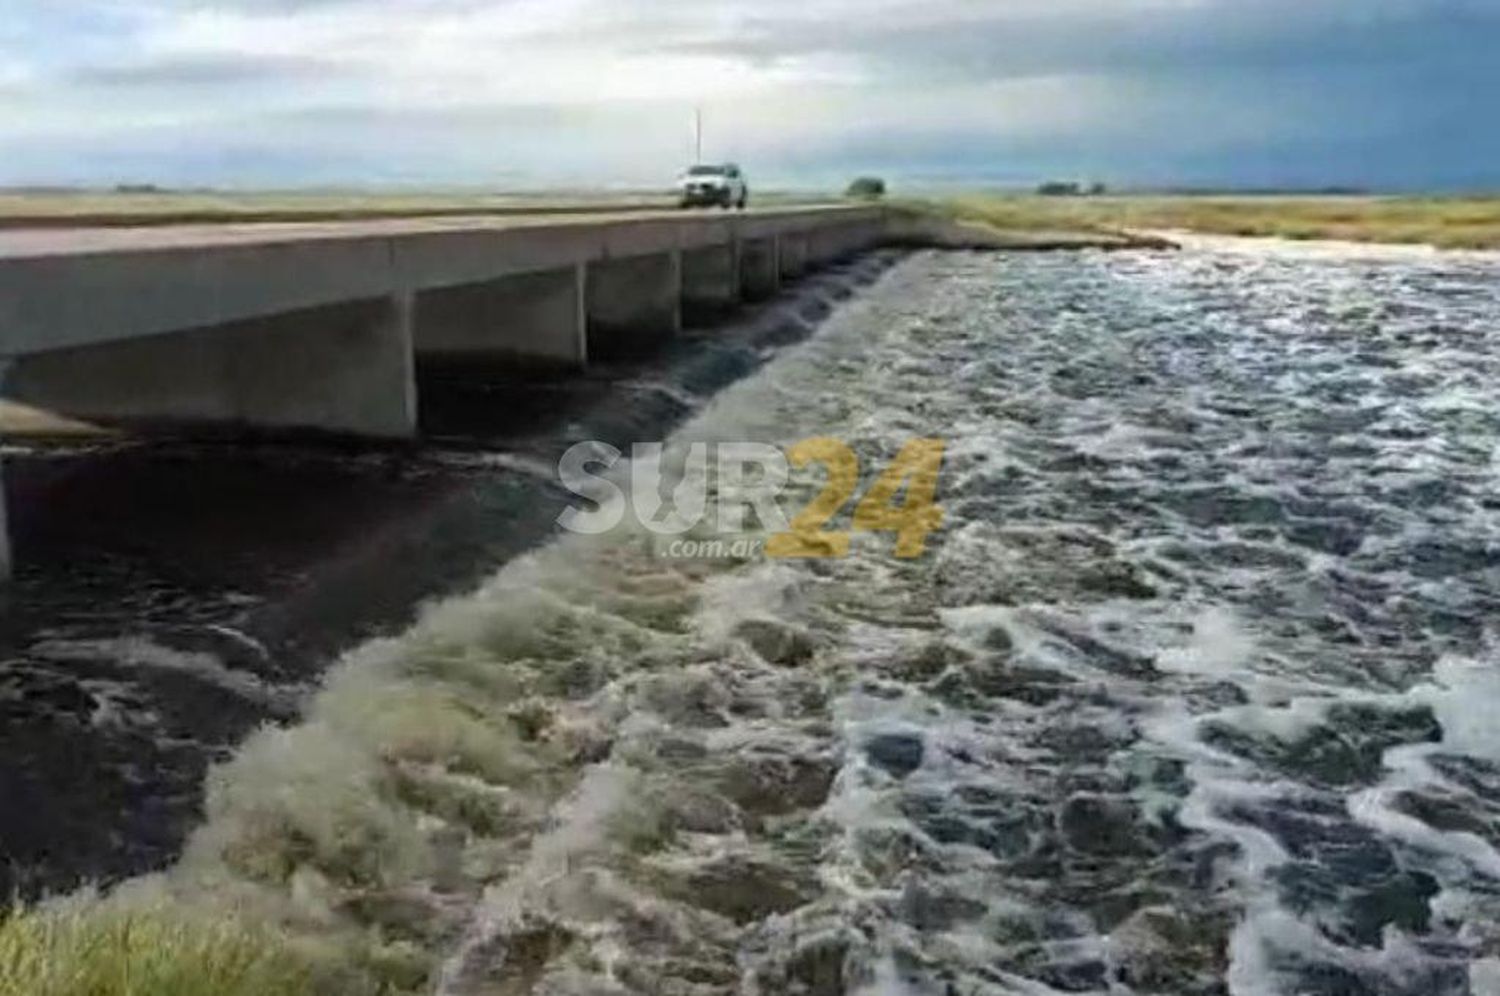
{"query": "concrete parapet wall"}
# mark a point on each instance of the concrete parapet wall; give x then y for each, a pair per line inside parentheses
(56, 302)
(343, 368)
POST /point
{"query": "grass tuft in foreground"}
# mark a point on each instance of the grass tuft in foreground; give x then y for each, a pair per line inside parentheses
(93, 949)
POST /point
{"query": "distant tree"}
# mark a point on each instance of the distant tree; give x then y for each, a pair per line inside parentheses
(1059, 188)
(866, 188)
(1097, 190)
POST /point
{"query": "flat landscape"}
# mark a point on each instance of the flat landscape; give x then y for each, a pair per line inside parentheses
(82, 208)
(1445, 222)
(88, 208)
(1467, 222)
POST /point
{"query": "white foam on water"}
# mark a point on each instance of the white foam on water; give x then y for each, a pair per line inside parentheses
(1484, 977)
(130, 652)
(1464, 695)
(1220, 647)
(1330, 250)
(581, 824)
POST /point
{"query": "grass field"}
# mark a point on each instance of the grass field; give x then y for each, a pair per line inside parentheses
(1450, 223)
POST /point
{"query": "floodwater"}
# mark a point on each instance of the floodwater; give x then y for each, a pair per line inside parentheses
(1192, 693)
(172, 596)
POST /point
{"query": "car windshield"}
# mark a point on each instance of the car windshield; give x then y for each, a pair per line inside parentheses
(708, 170)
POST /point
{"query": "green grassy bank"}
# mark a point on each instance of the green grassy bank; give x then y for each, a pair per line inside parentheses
(1446, 222)
(103, 948)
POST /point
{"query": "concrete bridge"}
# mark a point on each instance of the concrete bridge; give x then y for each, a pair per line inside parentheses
(319, 326)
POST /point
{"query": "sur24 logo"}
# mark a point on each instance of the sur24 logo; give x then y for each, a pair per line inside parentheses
(755, 476)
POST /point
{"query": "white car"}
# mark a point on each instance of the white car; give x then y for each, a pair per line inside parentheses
(714, 186)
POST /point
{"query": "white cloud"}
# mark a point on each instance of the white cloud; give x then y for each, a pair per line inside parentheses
(470, 88)
(16, 75)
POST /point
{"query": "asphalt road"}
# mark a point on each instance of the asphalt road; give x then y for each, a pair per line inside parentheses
(57, 241)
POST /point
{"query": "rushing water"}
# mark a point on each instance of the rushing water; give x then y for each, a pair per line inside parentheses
(172, 595)
(1193, 693)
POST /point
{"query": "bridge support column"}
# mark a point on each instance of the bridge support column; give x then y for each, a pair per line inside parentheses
(850, 240)
(710, 282)
(5, 548)
(793, 256)
(760, 268)
(633, 304)
(534, 318)
(345, 369)
(823, 247)
(5, 556)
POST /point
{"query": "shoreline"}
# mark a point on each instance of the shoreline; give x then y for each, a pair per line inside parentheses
(1198, 240)
(1459, 223)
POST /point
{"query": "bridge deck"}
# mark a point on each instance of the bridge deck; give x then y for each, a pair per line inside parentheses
(31, 243)
(62, 288)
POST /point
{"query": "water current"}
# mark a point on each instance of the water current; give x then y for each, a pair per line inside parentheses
(1192, 693)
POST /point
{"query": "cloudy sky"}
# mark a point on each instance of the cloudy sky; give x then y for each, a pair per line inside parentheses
(1382, 93)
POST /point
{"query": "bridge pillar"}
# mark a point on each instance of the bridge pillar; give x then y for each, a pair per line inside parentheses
(793, 253)
(823, 247)
(534, 318)
(345, 369)
(710, 282)
(851, 239)
(5, 565)
(633, 304)
(760, 268)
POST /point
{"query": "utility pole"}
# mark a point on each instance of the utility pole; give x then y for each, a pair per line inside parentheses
(698, 136)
